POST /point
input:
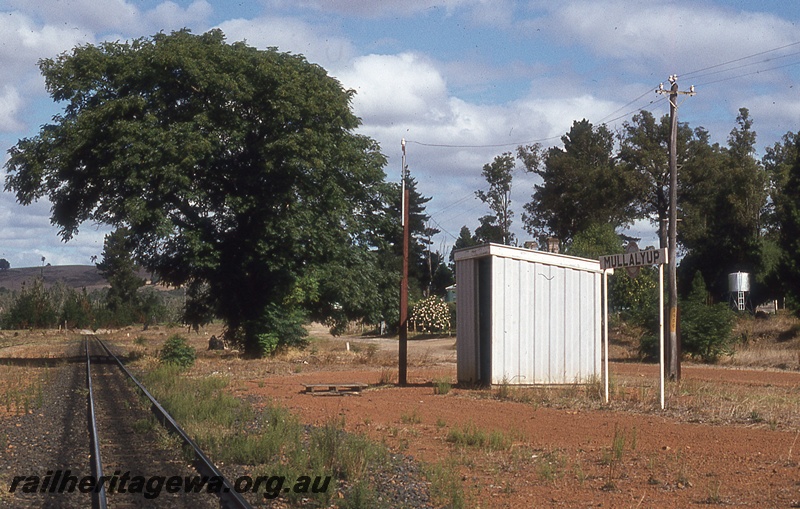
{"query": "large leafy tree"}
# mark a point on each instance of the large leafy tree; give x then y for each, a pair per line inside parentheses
(778, 161)
(119, 269)
(644, 156)
(787, 207)
(581, 185)
(235, 170)
(723, 198)
(496, 227)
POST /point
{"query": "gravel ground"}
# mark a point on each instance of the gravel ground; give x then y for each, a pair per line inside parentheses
(53, 437)
(402, 484)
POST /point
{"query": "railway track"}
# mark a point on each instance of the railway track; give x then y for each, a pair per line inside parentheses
(129, 467)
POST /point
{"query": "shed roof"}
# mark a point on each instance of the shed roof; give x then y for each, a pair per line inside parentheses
(529, 255)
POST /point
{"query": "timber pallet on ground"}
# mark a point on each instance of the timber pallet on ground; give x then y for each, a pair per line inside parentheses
(334, 389)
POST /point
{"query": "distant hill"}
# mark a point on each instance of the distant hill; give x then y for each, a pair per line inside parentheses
(74, 276)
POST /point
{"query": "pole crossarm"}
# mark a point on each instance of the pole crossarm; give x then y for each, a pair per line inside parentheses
(673, 91)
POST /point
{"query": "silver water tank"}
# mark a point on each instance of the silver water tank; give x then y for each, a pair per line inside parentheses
(739, 282)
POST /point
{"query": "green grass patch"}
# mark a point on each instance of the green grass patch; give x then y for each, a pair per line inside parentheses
(442, 386)
(446, 487)
(273, 440)
(472, 436)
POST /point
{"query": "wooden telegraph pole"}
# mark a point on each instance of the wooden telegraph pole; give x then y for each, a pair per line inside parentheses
(402, 365)
(673, 360)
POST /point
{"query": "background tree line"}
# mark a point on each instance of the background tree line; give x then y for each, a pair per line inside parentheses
(126, 301)
(736, 213)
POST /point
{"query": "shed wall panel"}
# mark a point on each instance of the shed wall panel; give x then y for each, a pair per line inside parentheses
(526, 319)
(572, 357)
(545, 317)
(467, 321)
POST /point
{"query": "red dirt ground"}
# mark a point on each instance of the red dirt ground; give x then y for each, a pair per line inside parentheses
(562, 457)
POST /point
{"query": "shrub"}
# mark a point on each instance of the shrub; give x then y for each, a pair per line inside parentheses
(34, 308)
(178, 352)
(705, 329)
(441, 386)
(77, 310)
(278, 326)
(267, 344)
(430, 315)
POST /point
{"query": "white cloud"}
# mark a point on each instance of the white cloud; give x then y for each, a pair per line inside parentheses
(113, 15)
(10, 104)
(394, 89)
(171, 16)
(291, 35)
(680, 35)
(28, 235)
(94, 15)
(556, 115)
(23, 41)
(781, 110)
(396, 8)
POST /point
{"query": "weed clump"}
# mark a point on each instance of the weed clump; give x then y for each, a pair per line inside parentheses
(470, 435)
(178, 352)
(442, 386)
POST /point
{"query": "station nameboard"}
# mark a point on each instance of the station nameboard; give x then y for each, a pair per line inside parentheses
(635, 259)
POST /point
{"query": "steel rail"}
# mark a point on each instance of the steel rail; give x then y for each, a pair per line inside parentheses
(99, 500)
(228, 496)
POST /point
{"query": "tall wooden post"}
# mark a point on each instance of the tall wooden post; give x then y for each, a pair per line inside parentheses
(673, 341)
(402, 377)
(672, 273)
(402, 364)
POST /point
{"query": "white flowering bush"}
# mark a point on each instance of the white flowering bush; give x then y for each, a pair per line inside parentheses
(430, 315)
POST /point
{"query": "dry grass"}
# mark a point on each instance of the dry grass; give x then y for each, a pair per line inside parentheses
(772, 342)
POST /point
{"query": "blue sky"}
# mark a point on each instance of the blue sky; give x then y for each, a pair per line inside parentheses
(478, 76)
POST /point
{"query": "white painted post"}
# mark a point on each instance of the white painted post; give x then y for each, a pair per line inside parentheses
(605, 330)
(661, 331)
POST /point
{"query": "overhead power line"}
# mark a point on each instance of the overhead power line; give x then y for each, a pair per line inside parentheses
(739, 76)
(715, 66)
(498, 145)
(742, 66)
(697, 73)
(647, 92)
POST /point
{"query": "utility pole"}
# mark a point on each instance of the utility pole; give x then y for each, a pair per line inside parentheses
(672, 279)
(402, 365)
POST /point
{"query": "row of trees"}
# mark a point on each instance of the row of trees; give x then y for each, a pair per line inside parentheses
(737, 213)
(126, 301)
(39, 306)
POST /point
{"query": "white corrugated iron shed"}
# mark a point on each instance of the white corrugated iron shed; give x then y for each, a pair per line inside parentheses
(527, 317)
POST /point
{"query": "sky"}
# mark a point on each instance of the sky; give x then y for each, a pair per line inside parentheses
(462, 81)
